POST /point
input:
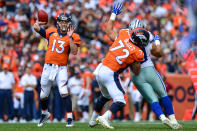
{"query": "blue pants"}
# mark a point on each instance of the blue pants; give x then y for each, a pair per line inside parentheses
(28, 105)
(58, 108)
(38, 111)
(38, 89)
(6, 97)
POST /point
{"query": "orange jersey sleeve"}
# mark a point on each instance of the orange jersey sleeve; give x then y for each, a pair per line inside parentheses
(18, 88)
(84, 76)
(49, 31)
(137, 55)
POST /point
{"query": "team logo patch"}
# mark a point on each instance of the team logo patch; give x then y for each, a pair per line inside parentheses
(55, 34)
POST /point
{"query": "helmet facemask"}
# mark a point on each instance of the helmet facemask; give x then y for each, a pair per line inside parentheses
(64, 22)
(64, 25)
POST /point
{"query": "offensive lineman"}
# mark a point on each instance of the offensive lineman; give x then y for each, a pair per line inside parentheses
(124, 52)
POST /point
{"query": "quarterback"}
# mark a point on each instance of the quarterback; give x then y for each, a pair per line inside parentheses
(61, 41)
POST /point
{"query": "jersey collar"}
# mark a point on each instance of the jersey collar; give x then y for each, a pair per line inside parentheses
(60, 34)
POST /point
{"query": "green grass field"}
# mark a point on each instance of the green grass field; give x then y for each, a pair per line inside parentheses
(119, 126)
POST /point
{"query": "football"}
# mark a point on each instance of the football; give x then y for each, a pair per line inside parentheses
(42, 16)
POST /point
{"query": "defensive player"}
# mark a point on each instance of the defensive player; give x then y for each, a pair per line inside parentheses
(61, 41)
(148, 84)
(124, 52)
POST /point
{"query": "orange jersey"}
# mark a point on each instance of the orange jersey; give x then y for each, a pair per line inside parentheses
(6, 59)
(84, 76)
(122, 52)
(58, 46)
(19, 89)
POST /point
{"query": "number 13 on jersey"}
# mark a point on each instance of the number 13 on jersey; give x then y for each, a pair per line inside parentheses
(61, 45)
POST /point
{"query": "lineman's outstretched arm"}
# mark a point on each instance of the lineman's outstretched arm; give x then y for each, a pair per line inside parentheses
(116, 11)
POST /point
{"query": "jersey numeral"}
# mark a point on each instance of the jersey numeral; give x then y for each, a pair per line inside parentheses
(126, 51)
(61, 43)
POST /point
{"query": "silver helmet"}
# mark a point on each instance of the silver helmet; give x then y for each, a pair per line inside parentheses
(136, 24)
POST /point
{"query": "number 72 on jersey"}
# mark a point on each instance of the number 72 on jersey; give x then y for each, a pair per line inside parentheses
(126, 52)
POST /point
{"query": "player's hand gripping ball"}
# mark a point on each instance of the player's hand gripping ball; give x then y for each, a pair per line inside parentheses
(42, 16)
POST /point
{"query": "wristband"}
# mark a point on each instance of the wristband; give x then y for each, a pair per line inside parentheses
(157, 42)
(113, 16)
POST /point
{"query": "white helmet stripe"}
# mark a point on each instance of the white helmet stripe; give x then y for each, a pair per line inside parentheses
(136, 23)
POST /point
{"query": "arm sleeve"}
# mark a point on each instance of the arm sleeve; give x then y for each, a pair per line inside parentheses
(138, 55)
(76, 39)
(49, 31)
(42, 32)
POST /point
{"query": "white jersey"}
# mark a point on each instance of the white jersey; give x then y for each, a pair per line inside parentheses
(28, 79)
(6, 80)
(147, 51)
(75, 85)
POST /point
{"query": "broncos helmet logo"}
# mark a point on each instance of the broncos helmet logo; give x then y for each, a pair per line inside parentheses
(140, 37)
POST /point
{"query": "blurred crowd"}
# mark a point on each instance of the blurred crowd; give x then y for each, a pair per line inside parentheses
(22, 51)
